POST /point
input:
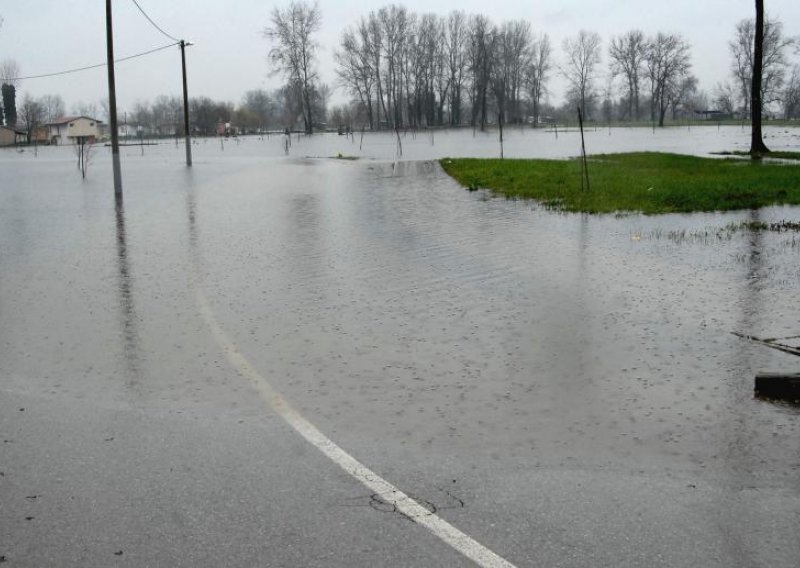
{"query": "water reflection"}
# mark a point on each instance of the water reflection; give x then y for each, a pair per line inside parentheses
(307, 236)
(131, 341)
(191, 216)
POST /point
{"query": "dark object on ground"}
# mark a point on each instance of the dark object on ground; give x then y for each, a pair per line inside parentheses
(773, 343)
(785, 386)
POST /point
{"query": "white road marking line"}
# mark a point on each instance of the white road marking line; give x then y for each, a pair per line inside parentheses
(463, 543)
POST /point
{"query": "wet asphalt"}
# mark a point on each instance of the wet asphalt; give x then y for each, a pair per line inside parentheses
(564, 389)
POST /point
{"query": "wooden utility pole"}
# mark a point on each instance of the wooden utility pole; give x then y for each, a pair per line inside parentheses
(757, 146)
(112, 103)
(188, 140)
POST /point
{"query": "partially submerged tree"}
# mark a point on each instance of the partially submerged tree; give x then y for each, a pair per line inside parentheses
(456, 41)
(479, 55)
(538, 73)
(757, 146)
(668, 62)
(293, 52)
(355, 67)
(83, 151)
(583, 57)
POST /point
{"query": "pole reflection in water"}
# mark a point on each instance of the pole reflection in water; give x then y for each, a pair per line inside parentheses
(130, 335)
(195, 260)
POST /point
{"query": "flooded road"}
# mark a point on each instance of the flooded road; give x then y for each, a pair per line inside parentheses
(564, 389)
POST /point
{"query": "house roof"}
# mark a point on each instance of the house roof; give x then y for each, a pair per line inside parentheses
(66, 119)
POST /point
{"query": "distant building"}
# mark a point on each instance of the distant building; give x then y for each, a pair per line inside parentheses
(40, 134)
(126, 130)
(712, 114)
(226, 129)
(10, 136)
(65, 130)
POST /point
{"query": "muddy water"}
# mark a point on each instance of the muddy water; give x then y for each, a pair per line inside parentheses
(386, 296)
(415, 323)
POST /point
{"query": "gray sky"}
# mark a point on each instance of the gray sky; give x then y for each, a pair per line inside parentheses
(229, 57)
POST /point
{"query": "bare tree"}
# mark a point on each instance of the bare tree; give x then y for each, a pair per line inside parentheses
(479, 54)
(791, 95)
(262, 106)
(514, 45)
(439, 71)
(456, 40)
(294, 50)
(538, 73)
(374, 43)
(725, 97)
(668, 63)
(774, 62)
(394, 22)
(354, 66)
(85, 109)
(757, 146)
(83, 151)
(683, 95)
(583, 57)
(53, 107)
(142, 116)
(627, 54)
(31, 115)
(774, 59)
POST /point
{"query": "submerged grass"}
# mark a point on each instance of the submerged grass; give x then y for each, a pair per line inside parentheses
(789, 229)
(647, 182)
(779, 154)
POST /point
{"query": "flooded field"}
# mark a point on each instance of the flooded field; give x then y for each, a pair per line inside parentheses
(572, 381)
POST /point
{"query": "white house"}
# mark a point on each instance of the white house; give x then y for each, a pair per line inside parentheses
(65, 130)
(125, 130)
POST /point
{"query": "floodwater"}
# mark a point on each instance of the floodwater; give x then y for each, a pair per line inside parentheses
(575, 376)
(518, 143)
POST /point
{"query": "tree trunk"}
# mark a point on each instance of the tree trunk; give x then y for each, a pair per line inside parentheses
(757, 146)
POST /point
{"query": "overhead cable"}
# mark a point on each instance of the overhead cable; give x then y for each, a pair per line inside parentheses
(76, 70)
(155, 25)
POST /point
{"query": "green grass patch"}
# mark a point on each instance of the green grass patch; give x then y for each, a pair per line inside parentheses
(647, 182)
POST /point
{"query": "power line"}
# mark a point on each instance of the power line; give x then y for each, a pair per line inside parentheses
(76, 70)
(155, 25)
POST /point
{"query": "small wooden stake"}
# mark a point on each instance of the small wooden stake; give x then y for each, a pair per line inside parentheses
(585, 172)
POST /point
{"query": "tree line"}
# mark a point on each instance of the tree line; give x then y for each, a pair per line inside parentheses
(407, 70)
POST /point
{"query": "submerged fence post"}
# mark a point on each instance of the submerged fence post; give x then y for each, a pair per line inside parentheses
(500, 124)
(585, 169)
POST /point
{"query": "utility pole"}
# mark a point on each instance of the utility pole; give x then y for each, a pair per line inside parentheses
(112, 104)
(186, 106)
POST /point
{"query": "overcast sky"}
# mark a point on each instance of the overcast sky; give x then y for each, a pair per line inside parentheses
(229, 55)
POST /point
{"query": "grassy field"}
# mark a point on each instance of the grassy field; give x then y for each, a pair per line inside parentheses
(647, 182)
